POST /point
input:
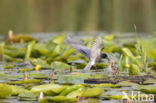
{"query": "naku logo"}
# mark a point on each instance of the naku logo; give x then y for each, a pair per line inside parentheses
(138, 97)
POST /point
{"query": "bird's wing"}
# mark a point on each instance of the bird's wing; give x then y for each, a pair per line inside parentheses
(98, 43)
(96, 48)
(79, 47)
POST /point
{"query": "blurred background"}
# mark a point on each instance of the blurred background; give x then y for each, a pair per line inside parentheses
(32, 16)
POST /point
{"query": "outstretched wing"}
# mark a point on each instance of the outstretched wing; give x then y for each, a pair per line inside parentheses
(79, 47)
(96, 49)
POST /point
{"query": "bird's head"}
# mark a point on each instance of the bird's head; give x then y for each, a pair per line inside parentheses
(104, 56)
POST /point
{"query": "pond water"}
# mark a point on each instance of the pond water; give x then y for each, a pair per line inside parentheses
(18, 71)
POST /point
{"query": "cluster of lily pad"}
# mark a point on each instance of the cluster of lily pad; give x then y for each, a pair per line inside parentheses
(137, 57)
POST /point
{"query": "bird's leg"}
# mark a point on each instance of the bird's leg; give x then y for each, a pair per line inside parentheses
(95, 66)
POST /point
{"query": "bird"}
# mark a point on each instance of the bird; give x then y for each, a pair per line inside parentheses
(112, 69)
(94, 54)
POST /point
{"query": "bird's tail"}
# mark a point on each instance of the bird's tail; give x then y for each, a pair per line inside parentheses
(88, 66)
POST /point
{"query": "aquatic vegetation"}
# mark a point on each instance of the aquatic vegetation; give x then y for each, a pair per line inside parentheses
(17, 90)
(27, 96)
(134, 70)
(5, 90)
(21, 38)
(29, 81)
(92, 92)
(48, 89)
(54, 69)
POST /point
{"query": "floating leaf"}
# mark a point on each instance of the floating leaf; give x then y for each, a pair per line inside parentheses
(92, 92)
(10, 59)
(147, 89)
(29, 81)
(67, 53)
(117, 97)
(15, 52)
(150, 81)
(17, 90)
(4, 76)
(106, 85)
(42, 49)
(5, 91)
(27, 96)
(40, 62)
(59, 65)
(126, 84)
(74, 78)
(21, 38)
(70, 89)
(62, 99)
(48, 89)
(76, 93)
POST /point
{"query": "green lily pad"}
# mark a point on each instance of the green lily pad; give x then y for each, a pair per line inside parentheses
(106, 85)
(40, 62)
(21, 37)
(48, 89)
(5, 90)
(42, 49)
(62, 99)
(76, 93)
(73, 78)
(126, 84)
(117, 97)
(92, 92)
(70, 89)
(150, 81)
(5, 76)
(147, 89)
(67, 53)
(59, 65)
(17, 90)
(29, 81)
(28, 96)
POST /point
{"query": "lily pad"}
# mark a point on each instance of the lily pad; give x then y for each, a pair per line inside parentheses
(17, 90)
(92, 92)
(48, 89)
(147, 89)
(150, 81)
(76, 93)
(5, 90)
(29, 81)
(27, 96)
(59, 66)
(70, 89)
(42, 63)
(62, 99)
(126, 84)
(21, 38)
(106, 85)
